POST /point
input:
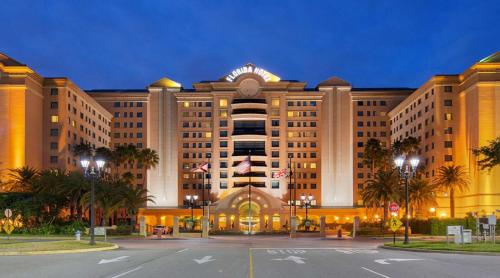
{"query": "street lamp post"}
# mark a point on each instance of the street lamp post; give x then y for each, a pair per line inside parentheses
(192, 199)
(92, 172)
(307, 203)
(407, 169)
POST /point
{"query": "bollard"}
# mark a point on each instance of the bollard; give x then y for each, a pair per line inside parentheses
(78, 235)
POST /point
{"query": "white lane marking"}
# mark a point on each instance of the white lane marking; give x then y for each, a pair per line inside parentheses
(127, 272)
(203, 260)
(285, 251)
(374, 272)
(180, 251)
(386, 261)
(297, 260)
(104, 261)
(356, 251)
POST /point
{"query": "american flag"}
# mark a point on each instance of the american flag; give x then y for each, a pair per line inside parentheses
(244, 166)
(202, 168)
(283, 173)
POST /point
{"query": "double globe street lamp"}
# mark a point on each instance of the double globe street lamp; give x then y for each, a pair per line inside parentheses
(92, 169)
(307, 200)
(192, 200)
(407, 168)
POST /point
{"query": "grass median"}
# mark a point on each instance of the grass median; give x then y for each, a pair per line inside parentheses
(443, 246)
(7, 246)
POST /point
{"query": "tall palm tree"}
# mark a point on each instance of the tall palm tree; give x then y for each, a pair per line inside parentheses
(381, 190)
(83, 150)
(408, 146)
(134, 199)
(421, 193)
(147, 159)
(109, 197)
(374, 154)
(452, 178)
(21, 179)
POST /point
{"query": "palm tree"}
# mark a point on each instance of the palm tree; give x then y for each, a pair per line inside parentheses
(490, 155)
(452, 178)
(374, 155)
(83, 150)
(408, 146)
(109, 197)
(134, 199)
(21, 179)
(381, 190)
(421, 193)
(147, 158)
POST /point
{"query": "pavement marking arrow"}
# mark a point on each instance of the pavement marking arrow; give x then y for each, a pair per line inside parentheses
(203, 260)
(119, 259)
(386, 261)
(297, 260)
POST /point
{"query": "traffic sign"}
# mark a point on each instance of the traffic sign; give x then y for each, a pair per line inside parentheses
(8, 213)
(8, 227)
(393, 207)
(395, 223)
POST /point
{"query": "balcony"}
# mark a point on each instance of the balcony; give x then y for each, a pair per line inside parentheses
(251, 174)
(253, 163)
(253, 152)
(249, 132)
(254, 184)
(240, 111)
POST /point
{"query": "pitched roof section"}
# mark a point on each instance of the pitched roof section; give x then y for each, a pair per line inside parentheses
(493, 58)
(166, 83)
(9, 62)
(334, 82)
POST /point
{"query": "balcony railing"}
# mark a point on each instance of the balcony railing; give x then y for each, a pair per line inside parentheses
(248, 111)
(253, 163)
(254, 184)
(251, 174)
(248, 100)
(253, 152)
(249, 132)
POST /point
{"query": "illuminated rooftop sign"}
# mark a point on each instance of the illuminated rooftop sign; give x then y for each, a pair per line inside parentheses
(267, 76)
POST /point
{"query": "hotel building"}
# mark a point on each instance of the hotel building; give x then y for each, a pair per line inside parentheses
(319, 131)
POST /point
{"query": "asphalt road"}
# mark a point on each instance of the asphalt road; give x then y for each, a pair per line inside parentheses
(255, 257)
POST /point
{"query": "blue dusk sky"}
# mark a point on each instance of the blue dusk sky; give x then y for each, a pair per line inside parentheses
(130, 44)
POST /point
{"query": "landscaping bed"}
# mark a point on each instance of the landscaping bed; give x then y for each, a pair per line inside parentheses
(443, 246)
(8, 246)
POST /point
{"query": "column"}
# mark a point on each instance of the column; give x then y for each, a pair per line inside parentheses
(175, 232)
(322, 226)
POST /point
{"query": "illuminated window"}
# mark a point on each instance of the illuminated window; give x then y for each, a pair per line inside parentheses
(276, 102)
(208, 134)
(275, 112)
(447, 116)
(290, 134)
(54, 119)
(186, 176)
(313, 165)
(185, 104)
(290, 113)
(223, 102)
(223, 113)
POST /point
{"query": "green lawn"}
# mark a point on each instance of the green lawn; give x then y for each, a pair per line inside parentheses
(27, 246)
(440, 245)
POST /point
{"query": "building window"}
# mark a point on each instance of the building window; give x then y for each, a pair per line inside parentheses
(448, 158)
(275, 122)
(139, 114)
(139, 135)
(53, 146)
(275, 102)
(223, 102)
(448, 144)
(54, 105)
(448, 130)
(223, 133)
(223, 175)
(448, 102)
(223, 154)
(54, 132)
(223, 185)
(223, 164)
(275, 154)
(447, 116)
(54, 92)
(313, 186)
(53, 159)
(116, 104)
(448, 89)
(275, 184)
(223, 144)
(223, 123)
(275, 133)
(275, 144)
(54, 119)
(275, 164)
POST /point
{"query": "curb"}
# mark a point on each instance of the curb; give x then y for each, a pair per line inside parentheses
(73, 251)
(439, 251)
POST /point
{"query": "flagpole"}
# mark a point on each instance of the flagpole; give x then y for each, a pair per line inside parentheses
(208, 189)
(295, 190)
(249, 193)
(203, 192)
(290, 192)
